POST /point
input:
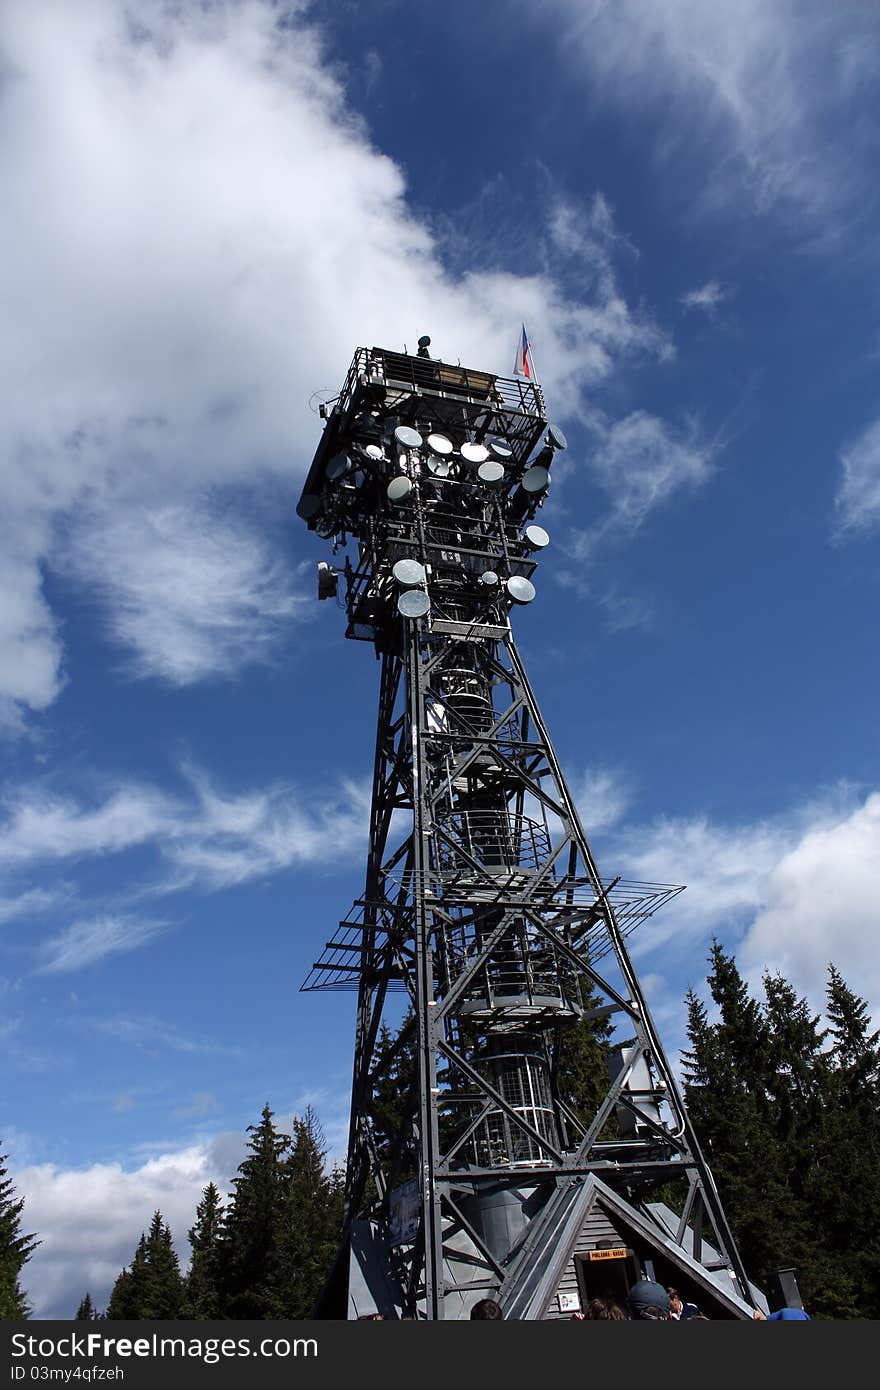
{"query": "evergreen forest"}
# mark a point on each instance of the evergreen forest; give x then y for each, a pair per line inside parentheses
(786, 1107)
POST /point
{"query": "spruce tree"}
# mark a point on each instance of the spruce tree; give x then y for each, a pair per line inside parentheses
(15, 1249)
(203, 1294)
(86, 1311)
(151, 1287)
(727, 1072)
(252, 1273)
(312, 1219)
(846, 1187)
(127, 1294)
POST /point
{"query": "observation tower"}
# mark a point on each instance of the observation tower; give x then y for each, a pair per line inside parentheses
(482, 903)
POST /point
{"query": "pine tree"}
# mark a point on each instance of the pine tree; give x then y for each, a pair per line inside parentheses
(86, 1310)
(127, 1294)
(728, 1070)
(580, 1061)
(252, 1273)
(791, 1126)
(164, 1285)
(846, 1186)
(151, 1287)
(15, 1249)
(203, 1297)
(313, 1219)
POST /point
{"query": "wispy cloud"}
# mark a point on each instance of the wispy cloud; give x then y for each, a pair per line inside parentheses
(41, 825)
(89, 941)
(774, 90)
(32, 903)
(707, 297)
(858, 496)
(603, 796)
(641, 461)
(187, 592)
(206, 839)
(152, 1034)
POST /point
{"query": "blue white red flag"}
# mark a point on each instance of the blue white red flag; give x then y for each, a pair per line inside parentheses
(524, 363)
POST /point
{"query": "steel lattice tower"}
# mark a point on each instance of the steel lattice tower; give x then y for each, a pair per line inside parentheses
(482, 899)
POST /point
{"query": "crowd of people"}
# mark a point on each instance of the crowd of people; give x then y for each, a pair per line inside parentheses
(647, 1301)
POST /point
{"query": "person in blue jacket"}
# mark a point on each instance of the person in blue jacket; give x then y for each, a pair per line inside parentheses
(788, 1315)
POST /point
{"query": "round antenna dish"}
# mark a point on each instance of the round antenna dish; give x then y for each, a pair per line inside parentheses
(489, 579)
(414, 603)
(474, 453)
(409, 573)
(424, 341)
(308, 505)
(500, 448)
(536, 479)
(373, 451)
(491, 472)
(440, 444)
(521, 590)
(536, 537)
(439, 466)
(337, 467)
(555, 438)
(399, 489)
(408, 438)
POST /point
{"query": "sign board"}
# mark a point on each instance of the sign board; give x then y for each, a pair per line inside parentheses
(405, 1208)
(569, 1303)
(618, 1253)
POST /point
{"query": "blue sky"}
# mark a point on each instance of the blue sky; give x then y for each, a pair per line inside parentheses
(206, 209)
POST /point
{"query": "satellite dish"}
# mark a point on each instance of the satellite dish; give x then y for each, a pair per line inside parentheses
(489, 579)
(439, 466)
(409, 573)
(414, 603)
(536, 537)
(440, 444)
(500, 448)
(536, 479)
(373, 451)
(474, 453)
(337, 467)
(521, 590)
(555, 438)
(308, 505)
(399, 488)
(408, 438)
(491, 472)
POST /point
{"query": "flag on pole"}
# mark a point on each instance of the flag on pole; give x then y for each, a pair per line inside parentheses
(524, 365)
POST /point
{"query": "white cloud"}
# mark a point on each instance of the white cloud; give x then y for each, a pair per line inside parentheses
(707, 297)
(197, 232)
(91, 940)
(189, 593)
(759, 93)
(602, 796)
(89, 1221)
(789, 893)
(42, 826)
(640, 461)
(31, 903)
(820, 905)
(858, 496)
(205, 839)
(145, 1031)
